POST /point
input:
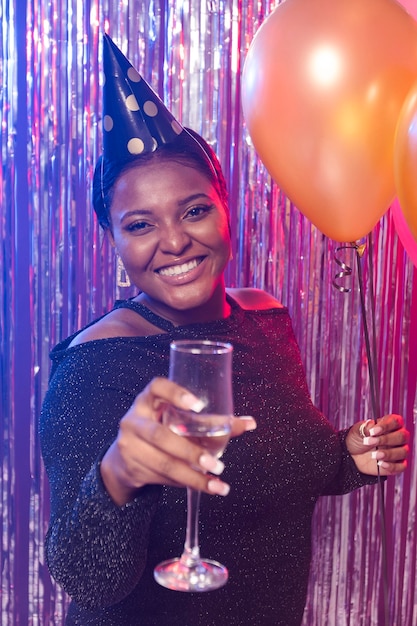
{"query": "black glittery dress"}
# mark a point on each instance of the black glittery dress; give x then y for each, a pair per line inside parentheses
(103, 555)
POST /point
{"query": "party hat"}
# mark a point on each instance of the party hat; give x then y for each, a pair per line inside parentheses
(135, 120)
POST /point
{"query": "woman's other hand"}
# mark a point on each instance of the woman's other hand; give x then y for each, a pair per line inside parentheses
(148, 452)
(382, 446)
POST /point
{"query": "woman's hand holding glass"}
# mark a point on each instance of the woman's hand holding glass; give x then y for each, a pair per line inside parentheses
(146, 451)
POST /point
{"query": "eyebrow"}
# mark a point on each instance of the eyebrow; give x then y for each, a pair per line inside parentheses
(183, 202)
(194, 196)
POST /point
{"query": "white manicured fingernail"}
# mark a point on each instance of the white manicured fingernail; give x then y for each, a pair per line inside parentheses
(250, 423)
(198, 406)
(383, 464)
(211, 464)
(376, 430)
(377, 454)
(191, 402)
(370, 441)
(218, 488)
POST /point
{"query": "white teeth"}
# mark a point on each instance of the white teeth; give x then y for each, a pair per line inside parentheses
(176, 270)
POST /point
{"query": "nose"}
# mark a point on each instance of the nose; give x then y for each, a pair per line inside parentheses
(174, 239)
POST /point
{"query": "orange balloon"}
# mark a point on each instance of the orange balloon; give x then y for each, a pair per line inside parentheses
(322, 89)
(405, 160)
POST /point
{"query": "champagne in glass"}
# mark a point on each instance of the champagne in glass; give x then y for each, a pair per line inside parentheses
(211, 432)
(205, 369)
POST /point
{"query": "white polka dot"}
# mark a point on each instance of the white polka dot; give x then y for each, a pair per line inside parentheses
(107, 122)
(176, 127)
(154, 144)
(135, 145)
(133, 75)
(132, 103)
(150, 108)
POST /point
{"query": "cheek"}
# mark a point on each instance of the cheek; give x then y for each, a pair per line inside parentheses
(133, 253)
(223, 227)
(226, 236)
(224, 247)
(218, 240)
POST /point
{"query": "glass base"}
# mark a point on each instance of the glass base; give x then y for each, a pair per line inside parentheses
(205, 576)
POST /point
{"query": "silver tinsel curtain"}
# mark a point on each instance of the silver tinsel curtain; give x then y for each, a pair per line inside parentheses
(57, 274)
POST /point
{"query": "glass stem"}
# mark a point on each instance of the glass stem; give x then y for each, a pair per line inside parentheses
(191, 555)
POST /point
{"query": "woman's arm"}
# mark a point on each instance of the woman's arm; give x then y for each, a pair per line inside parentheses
(95, 549)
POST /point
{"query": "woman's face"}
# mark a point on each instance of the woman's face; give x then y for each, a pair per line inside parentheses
(171, 231)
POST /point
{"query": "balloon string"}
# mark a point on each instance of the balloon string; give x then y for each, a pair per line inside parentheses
(371, 351)
(372, 299)
(345, 270)
(372, 364)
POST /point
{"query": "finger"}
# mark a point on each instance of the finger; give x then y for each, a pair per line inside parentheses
(391, 440)
(163, 457)
(391, 469)
(391, 454)
(242, 424)
(157, 467)
(161, 391)
(173, 471)
(386, 424)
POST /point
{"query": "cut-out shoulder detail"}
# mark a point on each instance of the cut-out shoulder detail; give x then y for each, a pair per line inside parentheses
(117, 323)
(132, 319)
(254, 299)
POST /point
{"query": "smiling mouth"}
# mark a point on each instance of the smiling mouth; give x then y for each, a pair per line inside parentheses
(177, 270)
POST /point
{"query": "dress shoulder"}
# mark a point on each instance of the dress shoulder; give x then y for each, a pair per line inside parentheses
(254, 299)
(119, 322)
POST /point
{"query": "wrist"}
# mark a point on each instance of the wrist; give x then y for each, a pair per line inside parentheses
(118, 489)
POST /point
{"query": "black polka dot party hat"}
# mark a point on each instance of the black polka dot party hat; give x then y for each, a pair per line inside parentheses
(135, 120)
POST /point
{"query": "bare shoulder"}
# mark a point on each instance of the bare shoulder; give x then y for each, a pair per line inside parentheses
(251, 299)
(117, 323)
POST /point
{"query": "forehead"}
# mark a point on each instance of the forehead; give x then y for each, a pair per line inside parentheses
(167, 178)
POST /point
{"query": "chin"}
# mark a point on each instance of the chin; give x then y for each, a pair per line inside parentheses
(208, 296)
(188, 303)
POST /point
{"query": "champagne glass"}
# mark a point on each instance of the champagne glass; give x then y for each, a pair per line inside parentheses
(205, 369)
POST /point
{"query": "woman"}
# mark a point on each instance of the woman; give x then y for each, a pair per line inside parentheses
(115, 469)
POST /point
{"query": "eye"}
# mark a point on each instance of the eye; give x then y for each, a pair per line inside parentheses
(198, 211)
(140, 226)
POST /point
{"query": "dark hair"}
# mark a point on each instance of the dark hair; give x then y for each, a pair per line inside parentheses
(189, 149)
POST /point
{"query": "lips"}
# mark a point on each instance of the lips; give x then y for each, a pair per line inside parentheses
(177, 270)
